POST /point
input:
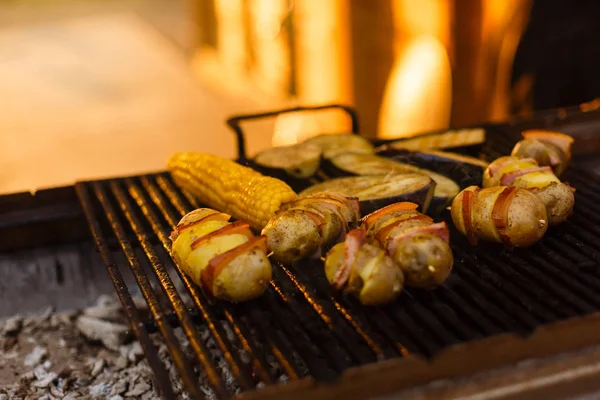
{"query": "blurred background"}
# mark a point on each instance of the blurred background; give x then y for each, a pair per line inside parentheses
(96, 88)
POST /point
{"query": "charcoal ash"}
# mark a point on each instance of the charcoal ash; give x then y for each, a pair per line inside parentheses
(80, 354)
(90, 354)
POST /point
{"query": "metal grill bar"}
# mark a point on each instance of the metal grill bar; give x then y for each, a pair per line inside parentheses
(157, 310)
(307, 329)
(212, 324)
(314, 365)
(161, 378)
(238, 327)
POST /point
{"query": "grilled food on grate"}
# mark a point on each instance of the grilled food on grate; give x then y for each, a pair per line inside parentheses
(547, 148)
(501, 214)
(229, 187)
(334, 144)
(525, 173)
(375, 192)
(223, 258)
(444, 140)
(414, 241)
(304, 227)
(298, 161)
(370, 164)
(363, 270)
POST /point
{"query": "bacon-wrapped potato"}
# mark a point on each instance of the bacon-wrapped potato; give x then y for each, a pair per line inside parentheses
(363, 270)
(414, 241)
(306, 226)
(552, 149)
(501, 214)
(225, 259)
(525, 173)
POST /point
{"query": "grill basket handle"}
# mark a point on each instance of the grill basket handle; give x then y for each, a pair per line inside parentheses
(234, 122)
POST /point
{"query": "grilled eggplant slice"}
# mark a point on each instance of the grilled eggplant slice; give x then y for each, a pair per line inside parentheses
(464, 170)
(334, 144)
(374, 192)
(369, 164)
(444, 140)
(300, 161)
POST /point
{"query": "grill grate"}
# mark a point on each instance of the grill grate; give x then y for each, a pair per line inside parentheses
(302, 326)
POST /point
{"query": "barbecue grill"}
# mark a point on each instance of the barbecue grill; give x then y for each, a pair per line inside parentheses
(301, 339)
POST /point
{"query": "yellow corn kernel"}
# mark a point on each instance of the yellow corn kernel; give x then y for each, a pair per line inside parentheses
(226, 186)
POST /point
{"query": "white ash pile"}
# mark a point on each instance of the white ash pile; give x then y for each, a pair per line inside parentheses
(76, 355)
(90, 354)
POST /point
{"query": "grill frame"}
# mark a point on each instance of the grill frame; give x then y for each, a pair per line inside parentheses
(375, 378)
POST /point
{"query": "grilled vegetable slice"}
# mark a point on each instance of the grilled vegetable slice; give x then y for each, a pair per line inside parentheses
(374, 192)
(525, 173)
(363, 270)
(308, 225)
(334, 144)
(445, 140)
(225, 259)
(418, 245)
(547, 148)
(300, 161)
(442, 157)
(224, 185)
(501, 214)
(370, 164)
(464, 170)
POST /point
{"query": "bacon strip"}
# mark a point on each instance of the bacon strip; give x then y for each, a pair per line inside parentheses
(469, 198)
(334, 206)
(237, 227)
(439, 229)
(382, 234)
(560, 140)
(217, 263)
(509, 178)
(351, 202)
(401, 206)
(500, 214)
(354, 241)
(554, 159)
(215, 216)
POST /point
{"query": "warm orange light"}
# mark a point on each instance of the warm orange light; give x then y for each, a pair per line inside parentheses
(323, 69)
(502, 26)
(269, 37)
(418, 95)
(422, 17)
(295, 127)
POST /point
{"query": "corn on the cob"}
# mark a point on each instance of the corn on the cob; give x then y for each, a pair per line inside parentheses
(226, 186)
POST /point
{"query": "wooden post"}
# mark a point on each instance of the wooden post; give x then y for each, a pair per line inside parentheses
(372, 43)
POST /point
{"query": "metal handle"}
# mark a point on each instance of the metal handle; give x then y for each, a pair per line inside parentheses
(234, 122)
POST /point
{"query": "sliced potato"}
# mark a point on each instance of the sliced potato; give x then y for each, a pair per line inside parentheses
(293, 235)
